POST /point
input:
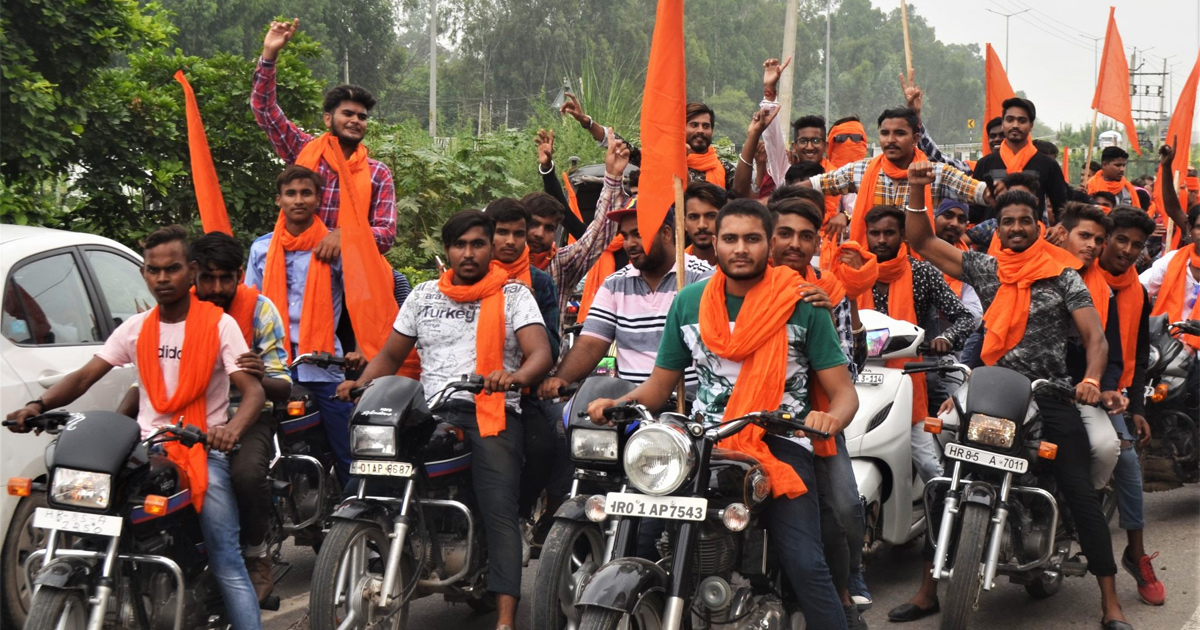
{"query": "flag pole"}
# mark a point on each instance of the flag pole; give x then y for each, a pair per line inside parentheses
(1092, 142)
(680, 272)
(907, 45)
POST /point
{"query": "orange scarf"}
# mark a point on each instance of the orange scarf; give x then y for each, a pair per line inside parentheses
(242, 310)
(856, 281)
(316, 314)
(1170, 296)
(868, 197)
(370, 295)
(843, 153)
(956, 285)
(1130, 302)
(605, 266)
(827, 282)
(1098, 183)
(1097, 286)
(519, 269)
(759, 342)
(1015, 162)
(542, 260)
(201, 346)
(897, 274)
(831, 201)
(1008, 314)
(489, 338)
(710, 164)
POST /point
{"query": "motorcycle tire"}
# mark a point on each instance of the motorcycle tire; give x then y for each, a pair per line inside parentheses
(21, 540)
(1043, 587)
(344, 539)
(569, 546)
(647, 615)
(58, 609)
(966, 575)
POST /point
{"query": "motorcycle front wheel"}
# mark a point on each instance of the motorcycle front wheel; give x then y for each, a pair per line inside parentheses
(646, 615)
(57, 609)
(570, 547)
(967, 574)
(348, 574)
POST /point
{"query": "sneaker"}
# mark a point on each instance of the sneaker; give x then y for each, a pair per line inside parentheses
(260, 570)
(1150, 590)
(858, 591)
(854, 620)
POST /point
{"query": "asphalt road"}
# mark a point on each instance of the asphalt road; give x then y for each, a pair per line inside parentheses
(1173, 529)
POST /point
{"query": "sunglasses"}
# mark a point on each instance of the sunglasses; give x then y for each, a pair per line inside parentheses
(852, 137)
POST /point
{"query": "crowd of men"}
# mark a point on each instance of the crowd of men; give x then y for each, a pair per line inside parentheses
(1001, 262)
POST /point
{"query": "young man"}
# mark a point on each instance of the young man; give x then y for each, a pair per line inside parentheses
(1111, 178)
(914, 291)
(1131, 229)
(1089, 171)
(1017, 154)
(472, 320)
(995, 133)
(794, 242)
(883, 180)
(1027, 331)
(285, 267)
(181, 324)
(701, 202)
(950, 224)
(1173, 282)
(774, 333)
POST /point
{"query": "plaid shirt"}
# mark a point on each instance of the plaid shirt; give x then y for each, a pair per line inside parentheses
(571, 263)
(948, 183)
(287, 139)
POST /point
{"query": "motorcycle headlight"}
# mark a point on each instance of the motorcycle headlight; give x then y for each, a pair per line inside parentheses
(991, 431)
(1154, 356)
(658, 458)
(370, 441)
(91, 490)
(594, 445)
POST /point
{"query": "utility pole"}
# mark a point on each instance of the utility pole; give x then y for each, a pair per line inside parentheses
(1095, 59)
(789, 49)
(828, 54)
(433, 68)
(346, 65)
(1006, 17)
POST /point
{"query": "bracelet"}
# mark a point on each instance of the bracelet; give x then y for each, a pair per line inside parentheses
(1091, 381)
(769, 95)
(589, 125)
(548, 171)
(912, 209)
(39, 403)
(743, 161)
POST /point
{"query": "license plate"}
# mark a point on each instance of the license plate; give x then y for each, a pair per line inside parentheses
(78, 522)
(1016, 465)
(674, 508)
(869, 378)
(1148, 393)
(382, 469)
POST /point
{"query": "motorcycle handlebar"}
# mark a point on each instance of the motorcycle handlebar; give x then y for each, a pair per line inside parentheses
(1189, 327)
(50, 422)
(319, 359)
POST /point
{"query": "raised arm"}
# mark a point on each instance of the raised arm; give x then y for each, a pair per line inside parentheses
(1166, 154)
(285, 137)
(573, 109)
(743, 175)
(551, 184)
(917, 229)
(914, 97)
(572, 262)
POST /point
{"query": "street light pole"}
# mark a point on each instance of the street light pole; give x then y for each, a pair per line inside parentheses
(1006, 17)
(433, 69)
(828, 54)
(1095, 59)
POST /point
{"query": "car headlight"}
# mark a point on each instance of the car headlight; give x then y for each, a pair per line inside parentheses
(991, 431)
(371, 441)
(81, 488)
(658, 458)
(594, 445)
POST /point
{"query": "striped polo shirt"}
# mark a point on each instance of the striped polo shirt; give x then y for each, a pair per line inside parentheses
(626, 310)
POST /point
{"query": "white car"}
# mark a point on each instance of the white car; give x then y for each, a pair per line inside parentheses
(63, 294)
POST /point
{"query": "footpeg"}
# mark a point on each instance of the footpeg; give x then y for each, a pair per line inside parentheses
(270, 603)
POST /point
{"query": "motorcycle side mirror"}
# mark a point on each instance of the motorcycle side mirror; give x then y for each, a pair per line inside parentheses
(877, 340)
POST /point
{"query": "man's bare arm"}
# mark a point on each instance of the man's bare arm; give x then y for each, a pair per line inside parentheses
(917, 230)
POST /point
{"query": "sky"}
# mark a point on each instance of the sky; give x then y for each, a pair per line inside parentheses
(1052, 58)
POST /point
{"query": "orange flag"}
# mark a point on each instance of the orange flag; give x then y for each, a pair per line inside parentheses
(996, 89)
(664, 119)
(1179, 135)
(1112, 85)
(213, 216)
(1067, 164)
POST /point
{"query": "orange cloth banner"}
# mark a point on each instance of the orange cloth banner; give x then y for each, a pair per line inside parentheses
(1179, 135)
(664, 119)
(996, 89)
(213, 216)
(1112, 85)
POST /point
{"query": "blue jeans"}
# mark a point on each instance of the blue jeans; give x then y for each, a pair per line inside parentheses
(795, 525)
(219, 524)
(1127, 479)
(335, 417)
(842, 522)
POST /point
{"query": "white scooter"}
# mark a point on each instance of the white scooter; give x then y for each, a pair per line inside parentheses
(879, 439)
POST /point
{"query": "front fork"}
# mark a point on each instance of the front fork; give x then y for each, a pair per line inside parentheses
(399, 538)
(999, 519)
(104, 585)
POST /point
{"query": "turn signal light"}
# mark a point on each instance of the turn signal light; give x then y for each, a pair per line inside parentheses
(933, 425)
(156, 505)
(1047, 450)
(1160, 392)
(20, 486)
(295, 407)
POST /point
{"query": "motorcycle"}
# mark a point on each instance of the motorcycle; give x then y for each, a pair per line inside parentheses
(124, 546)
(1000, 513)
(412, 527)
(879, 437)
(1173, 457)
(718, 567)
(577, 546)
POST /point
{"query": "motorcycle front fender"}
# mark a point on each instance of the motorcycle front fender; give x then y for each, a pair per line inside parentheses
(65, 572)
(980, 492)
(355, 509)
(572, 509)
(621, 584)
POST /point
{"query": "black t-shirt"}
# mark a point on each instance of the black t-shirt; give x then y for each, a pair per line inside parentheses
(990, 167)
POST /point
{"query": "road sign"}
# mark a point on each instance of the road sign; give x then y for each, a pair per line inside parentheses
(970, 123)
